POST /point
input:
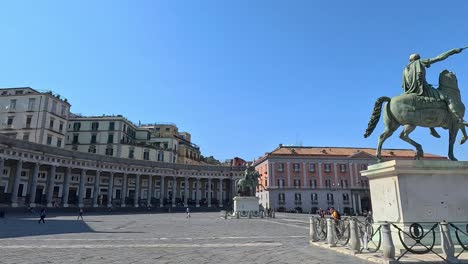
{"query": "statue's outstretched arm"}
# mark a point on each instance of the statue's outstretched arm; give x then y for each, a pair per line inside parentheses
(442, 56)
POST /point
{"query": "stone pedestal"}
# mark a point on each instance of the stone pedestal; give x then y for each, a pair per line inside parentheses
(419, 190)
(246, 204)
(415, 191)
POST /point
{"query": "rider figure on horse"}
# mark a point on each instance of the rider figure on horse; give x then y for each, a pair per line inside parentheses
(414, 81)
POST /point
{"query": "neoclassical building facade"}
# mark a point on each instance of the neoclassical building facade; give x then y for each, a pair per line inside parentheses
(308, 178)
(40, 175)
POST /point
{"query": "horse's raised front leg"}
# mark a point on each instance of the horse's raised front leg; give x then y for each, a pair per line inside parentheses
(407, 129)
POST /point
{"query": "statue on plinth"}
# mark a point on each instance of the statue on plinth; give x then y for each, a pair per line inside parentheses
(247, 186)
(422, 105)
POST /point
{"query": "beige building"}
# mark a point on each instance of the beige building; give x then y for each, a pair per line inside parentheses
(39, 117)
(114, 136)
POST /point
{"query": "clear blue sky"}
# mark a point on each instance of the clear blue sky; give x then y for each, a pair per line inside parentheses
(240, 76)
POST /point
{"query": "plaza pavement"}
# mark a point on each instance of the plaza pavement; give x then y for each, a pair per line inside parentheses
(159, 238)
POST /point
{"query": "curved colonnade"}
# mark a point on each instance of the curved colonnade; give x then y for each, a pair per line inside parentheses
(32, 174)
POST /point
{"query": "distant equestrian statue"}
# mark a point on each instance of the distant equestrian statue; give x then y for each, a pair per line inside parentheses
(247, 186)
(422, 105)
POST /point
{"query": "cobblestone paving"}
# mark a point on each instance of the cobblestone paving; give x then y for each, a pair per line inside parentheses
(160, 238)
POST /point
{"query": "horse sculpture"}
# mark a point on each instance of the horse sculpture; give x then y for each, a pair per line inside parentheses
(247, 186)
(411, 110)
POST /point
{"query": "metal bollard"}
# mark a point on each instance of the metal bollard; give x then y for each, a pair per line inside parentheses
(250, 214)
(388, 247)
(262, 214)
(354, 241)
(237, 214)
(331, 233)
(273, 214)
(448, 247)
(225, 215)
(312, 230)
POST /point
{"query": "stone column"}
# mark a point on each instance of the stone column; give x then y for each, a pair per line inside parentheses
(209, 192)
(320, 174)
(359, 204)
(82, 188)
(97, 182)
(351, 177)
(137, 190)
(353, 200)
(50, 185)
(16, 181)
(233, 188)
(150, 190)
(32, 190)
(66, 186)
(186, 192)
(163, 193)
(110, 190)
(174, 183)
(220, 193)
(198, 193)
(2, 166)
(357, 174)
(288, 172)
(124, 190)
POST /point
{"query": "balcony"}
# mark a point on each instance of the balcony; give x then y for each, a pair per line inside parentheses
(281, 202)
(330, 202)
(314, 202)
(298, 202)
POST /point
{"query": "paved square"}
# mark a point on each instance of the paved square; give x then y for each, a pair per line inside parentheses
(160, 238)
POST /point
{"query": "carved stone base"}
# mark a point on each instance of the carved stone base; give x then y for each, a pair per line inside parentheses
(246, 204)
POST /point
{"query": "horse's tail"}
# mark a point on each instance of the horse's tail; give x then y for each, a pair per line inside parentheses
(375, 115)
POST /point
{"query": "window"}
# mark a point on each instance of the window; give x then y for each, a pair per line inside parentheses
(51, 124)
(146, 155)
(75, 139)
(345, 198)
(344, 183)
(297, 183)
(94, 126)
(327, 167)
(281, 183)
(296, 167)
(12, 105)
(31, 103)
(363, 167)
(110, 138)
(330, 199)
(342, 167)
(93, 138)
(54, 107)
(131, 153)
(328, 182)
(314, 198)
(280, 167)
(109, 151)
(26, 136)
(312, 167)
(76, 126)
(61, 127)
(160, 155)
(56, 192)
(19, 92)
(281, 198)
(59, 142)
(49, 139)
(111, 125)
(10, 121)
(28, 121)
(92, 149)
(297, 197)
(63, 109)
(88, 193)
(313, 183)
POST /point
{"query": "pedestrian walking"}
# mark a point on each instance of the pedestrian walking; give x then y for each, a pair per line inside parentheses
(80, 214)
(188, 212)
(42, 214)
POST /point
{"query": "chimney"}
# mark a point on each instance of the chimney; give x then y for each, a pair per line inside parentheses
(280, 145)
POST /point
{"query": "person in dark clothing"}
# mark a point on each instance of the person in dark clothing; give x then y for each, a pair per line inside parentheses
(42, 214)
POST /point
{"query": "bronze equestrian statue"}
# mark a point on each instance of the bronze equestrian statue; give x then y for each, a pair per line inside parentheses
(247, 186)
(422, 105)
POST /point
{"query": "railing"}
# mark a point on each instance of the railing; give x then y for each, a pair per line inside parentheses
(414, 238)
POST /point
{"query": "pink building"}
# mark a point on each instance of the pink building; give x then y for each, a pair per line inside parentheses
(308, 178)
